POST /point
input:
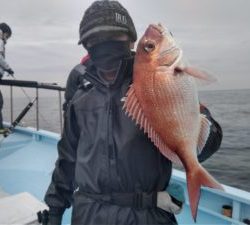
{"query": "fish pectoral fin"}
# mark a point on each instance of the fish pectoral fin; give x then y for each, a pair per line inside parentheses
(134, 110)
(205, 126)
(201, 76)
(195, 179)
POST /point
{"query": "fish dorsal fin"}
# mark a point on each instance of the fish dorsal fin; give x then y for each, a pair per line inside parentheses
(204, 132)
(134, 110)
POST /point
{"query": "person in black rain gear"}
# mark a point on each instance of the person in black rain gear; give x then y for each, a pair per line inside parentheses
(5, 33)
(108, 170)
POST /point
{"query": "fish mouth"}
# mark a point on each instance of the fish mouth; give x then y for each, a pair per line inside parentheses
(159, 28)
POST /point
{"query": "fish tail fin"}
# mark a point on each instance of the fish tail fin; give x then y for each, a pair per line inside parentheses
(195, 179)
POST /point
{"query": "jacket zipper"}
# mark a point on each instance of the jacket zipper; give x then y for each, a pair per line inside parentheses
(111, 149)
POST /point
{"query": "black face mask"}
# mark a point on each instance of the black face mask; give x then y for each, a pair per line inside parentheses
(107, 55)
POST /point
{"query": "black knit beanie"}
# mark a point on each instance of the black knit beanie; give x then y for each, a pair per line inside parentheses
(104, 17)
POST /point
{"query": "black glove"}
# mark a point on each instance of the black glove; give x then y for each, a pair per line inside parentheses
(10, 71)
(48, 218)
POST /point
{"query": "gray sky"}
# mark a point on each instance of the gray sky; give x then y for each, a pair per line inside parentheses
(214, 35)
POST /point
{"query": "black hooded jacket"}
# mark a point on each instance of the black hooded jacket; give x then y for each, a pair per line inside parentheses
(102, 151)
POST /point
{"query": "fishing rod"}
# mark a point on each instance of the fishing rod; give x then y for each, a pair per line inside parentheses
(10, 129)
(29, 98)
(24, 92)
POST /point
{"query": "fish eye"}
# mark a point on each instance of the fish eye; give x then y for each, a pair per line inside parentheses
(149, 46)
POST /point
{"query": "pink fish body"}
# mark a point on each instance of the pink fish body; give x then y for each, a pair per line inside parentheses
(163, 100)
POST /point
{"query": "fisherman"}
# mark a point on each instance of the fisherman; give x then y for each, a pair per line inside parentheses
(107, 168)
(5, 34)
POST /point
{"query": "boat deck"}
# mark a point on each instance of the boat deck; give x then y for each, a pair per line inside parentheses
(27, 162)
(27, 158)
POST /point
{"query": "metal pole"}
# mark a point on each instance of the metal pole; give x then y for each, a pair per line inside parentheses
(60, 111)
(37, 109)
(11, 104)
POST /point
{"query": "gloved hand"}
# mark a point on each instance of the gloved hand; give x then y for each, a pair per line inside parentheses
(172, 199)
(48, 218)
(10, 71)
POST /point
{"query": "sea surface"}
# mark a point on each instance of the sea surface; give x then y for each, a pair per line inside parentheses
(231, 108)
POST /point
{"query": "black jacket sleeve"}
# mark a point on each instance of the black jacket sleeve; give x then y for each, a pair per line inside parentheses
(215, 137)
(60, 191)
(74, 80)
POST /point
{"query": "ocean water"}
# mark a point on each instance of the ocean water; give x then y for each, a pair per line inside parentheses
(231, 108)
(231, 164)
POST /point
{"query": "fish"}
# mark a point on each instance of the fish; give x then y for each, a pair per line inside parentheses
(163, 101)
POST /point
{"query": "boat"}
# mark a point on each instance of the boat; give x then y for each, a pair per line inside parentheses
(27, 158)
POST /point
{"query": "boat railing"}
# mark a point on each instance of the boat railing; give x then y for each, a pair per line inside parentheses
(213, 203)
(37, 86)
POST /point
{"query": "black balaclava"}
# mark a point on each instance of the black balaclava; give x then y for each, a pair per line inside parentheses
(107, 56)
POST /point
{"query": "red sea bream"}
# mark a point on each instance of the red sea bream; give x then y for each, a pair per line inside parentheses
(163, 100)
